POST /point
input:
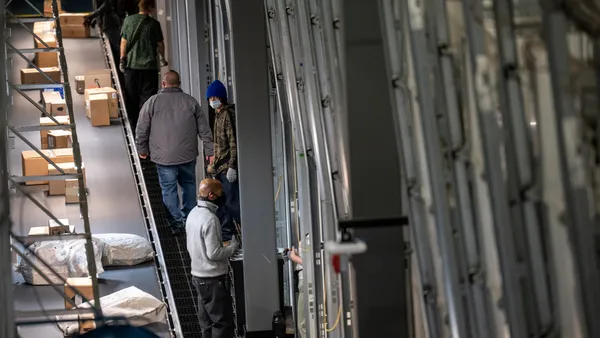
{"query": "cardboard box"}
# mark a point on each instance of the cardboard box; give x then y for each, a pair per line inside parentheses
(35, 165)
(83, 285)
(43, 231)
(75, 31)
(54, 103)
(71, 191)
(56, 229)
(42, 27)
(46, 59)
(80, 84)
(32, 76)
(96, 109)
(75, 19)
(48, 7)
(59, 187)
(98, 78)
(46, 121)
(86, 323)
(59, 139)
(113, 99)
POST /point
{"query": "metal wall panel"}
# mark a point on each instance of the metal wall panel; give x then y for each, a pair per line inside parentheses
(374, 175)
(255, 163)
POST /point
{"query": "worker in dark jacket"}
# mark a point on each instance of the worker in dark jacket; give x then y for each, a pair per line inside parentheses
(109, 16)
(167, 132)
(224, 165)
(142, 46)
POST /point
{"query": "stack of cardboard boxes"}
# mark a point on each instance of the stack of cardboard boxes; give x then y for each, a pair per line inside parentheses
(45, 30)
(101, 99)
(52, 229)
(72, 25)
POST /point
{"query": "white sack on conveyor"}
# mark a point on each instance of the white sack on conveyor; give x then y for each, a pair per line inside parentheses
(67, 257)
(125, 249)
(133, 304)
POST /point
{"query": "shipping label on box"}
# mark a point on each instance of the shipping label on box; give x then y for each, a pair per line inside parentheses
(98, 78)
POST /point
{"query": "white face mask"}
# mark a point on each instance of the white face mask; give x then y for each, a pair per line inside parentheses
(215, 104)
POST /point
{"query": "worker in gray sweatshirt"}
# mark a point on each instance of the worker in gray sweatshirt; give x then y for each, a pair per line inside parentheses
(210, 262)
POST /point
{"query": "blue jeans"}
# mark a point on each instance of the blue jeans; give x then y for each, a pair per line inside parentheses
(229, 212)
(168, 177)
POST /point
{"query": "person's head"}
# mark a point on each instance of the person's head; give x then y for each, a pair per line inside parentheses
(171, 79)
(216, 94)
(147, 6)
(211, 190)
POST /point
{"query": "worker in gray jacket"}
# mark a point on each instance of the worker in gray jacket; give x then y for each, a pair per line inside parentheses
(210, 262)
(167, 133)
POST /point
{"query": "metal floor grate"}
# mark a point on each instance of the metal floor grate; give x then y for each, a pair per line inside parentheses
(175, 255)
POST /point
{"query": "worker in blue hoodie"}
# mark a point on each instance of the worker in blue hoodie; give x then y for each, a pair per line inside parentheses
(224, 164)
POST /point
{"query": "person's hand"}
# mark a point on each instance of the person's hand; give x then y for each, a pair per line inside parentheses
(87, 22)
(122, 64)
(163, 62)
(234, 243)
(210, 169)
(210, 159)
(231, 175)
(143, 156)
(293, 254)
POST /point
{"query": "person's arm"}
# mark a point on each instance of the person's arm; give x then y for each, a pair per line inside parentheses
(231, 137)
(203, 130)
(142, 130)
(100, 10)
(294, 256)
(214, 246)
(124, 38)
(160, 41)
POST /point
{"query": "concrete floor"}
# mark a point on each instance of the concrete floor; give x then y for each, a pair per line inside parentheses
(113, 198)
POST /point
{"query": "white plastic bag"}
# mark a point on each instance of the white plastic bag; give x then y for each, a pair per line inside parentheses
(133, 304)
(67, 257)
(125, 249)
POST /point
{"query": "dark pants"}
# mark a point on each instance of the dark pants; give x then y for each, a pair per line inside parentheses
(140, 84)
(215, 308)
(230, 212)
(168, 178)
(114, 40)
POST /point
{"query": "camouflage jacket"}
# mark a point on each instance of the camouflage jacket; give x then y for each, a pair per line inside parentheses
(225, 141)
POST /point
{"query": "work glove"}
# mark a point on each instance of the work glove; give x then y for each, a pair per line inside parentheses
(234, 244)
(87, 22)
(122, 64)
(231, 175)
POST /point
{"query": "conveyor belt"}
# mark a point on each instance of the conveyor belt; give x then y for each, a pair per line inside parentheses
(172, 259)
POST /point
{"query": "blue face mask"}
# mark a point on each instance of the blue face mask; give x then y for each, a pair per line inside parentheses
(215, 104)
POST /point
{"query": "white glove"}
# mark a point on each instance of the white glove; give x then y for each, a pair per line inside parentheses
(231, 175)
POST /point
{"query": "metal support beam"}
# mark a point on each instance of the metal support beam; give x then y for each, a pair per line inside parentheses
(7, 326)
(381, 302)
(255, 163)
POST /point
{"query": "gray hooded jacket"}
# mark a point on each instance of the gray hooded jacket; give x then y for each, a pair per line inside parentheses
(168, 128)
